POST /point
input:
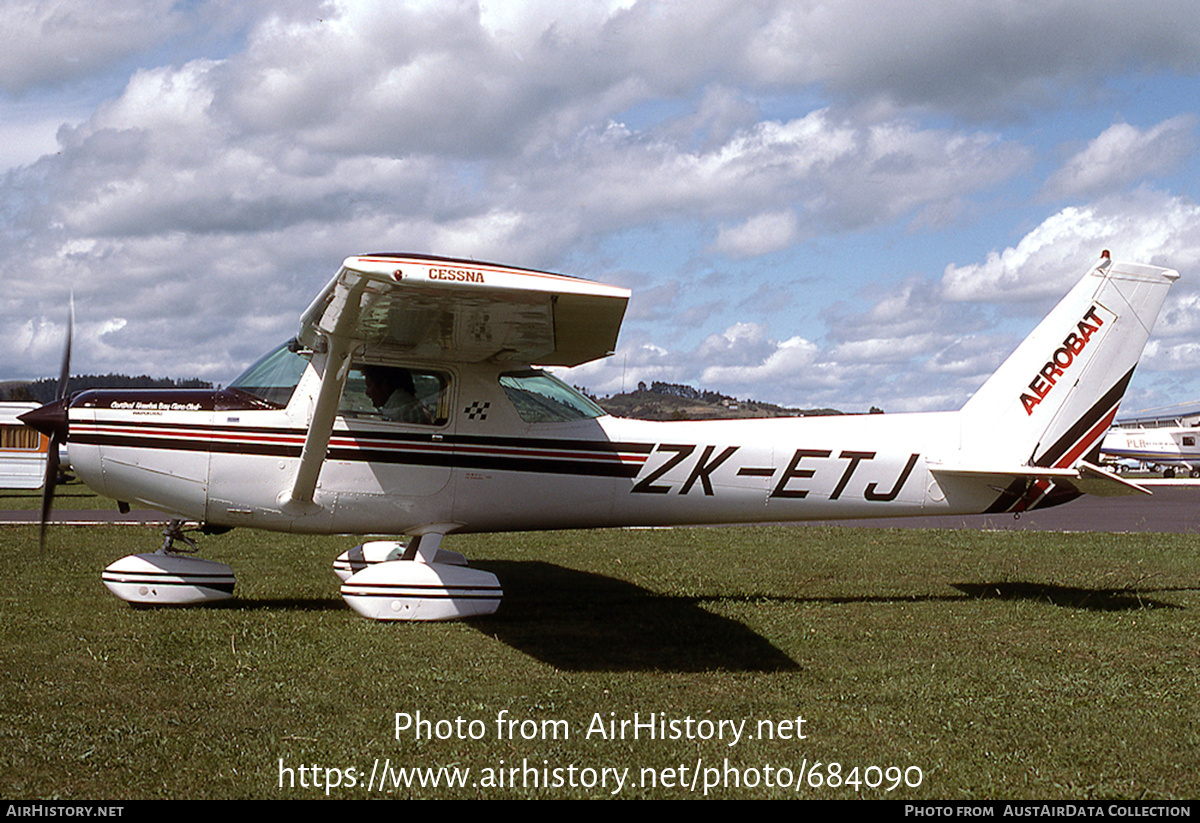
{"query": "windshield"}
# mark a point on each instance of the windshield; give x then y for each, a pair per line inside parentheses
(274, 377)
(543, 398)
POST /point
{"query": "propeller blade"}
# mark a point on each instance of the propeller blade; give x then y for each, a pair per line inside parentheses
(50, 420)
(58, 430)
(64, 374)
(48, 489)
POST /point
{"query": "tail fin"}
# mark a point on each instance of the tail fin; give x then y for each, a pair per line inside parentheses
(1051, 401)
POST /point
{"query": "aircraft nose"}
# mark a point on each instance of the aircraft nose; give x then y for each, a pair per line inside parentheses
(50, 419)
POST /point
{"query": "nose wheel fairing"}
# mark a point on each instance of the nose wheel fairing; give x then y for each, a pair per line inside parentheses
(163, 579)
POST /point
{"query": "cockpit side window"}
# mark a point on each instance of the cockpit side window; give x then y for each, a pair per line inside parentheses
(275, 376)
(396, 394)
(540, 397)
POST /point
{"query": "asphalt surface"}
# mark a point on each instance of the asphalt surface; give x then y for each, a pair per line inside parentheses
(1170, 509)
(84, 517)
(1174, 510)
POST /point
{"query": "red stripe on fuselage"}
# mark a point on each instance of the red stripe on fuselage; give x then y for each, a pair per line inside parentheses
(1040, 487)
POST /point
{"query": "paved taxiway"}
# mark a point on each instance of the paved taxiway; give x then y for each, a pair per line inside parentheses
(84, 517)
(1175, 510)
(1169, 509)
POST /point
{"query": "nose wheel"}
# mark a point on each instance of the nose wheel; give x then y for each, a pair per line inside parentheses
(167, 577)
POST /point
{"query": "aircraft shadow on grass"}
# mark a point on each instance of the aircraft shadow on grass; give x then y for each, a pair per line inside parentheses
(300, 604)
(584, 621)
(552, 605)
(1074, 597)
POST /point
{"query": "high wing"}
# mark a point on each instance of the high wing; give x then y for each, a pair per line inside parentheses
(437, 308)
(455, 310)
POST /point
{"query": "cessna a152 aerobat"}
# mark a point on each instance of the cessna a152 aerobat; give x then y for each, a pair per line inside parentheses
(412, 403)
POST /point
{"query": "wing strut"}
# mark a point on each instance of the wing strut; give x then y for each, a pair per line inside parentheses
(337, 365)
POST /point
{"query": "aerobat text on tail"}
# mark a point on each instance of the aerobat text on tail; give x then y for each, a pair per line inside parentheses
(411, 403)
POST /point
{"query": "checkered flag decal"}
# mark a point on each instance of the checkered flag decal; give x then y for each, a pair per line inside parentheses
(477, 410)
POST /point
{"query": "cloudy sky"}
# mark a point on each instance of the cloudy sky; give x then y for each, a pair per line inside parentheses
(815, 203)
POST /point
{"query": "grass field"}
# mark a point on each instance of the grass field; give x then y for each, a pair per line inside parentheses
(1001, 665)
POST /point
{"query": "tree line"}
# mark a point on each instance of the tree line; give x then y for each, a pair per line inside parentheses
(43, 391)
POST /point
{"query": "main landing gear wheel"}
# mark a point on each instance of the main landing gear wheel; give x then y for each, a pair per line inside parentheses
(167, 578)
(388, 580)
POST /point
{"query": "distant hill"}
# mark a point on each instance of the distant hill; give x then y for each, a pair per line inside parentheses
(672, 401)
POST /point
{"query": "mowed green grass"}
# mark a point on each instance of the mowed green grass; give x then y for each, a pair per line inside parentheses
(1001, 665)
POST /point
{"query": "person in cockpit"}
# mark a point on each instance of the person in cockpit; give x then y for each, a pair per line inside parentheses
(393, 394)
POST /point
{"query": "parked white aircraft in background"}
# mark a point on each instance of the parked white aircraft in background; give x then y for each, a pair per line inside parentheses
(1172, 446)
(409, 404)
(22, 450)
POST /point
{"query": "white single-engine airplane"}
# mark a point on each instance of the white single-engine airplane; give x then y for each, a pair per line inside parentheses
(409, 404)
(1170, 446)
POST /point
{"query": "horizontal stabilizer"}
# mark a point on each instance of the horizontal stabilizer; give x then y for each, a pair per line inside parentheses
(1008, 473)
(1101, 482)
(1087, 478)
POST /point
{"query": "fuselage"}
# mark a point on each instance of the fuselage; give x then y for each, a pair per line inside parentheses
(491, 462)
